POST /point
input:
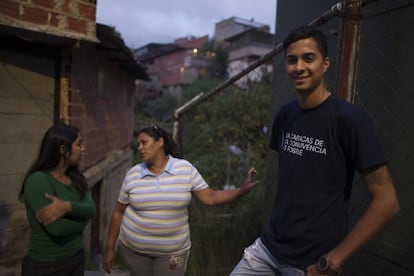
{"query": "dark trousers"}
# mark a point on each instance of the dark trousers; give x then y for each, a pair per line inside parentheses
(72, 266)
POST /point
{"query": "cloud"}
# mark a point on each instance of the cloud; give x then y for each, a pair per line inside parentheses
(146, 21)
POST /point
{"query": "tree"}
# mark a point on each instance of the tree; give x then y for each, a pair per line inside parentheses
(219, 54)
(162, 109)
(234, 117)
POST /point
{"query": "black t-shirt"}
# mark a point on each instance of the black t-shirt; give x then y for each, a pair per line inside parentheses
(319, 151)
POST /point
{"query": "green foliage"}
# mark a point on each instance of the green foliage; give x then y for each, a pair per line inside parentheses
(219, 54)
(199, 86)
(234, 117)
(162, 108)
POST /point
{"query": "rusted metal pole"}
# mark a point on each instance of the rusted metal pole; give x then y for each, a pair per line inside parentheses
(176, 126)
(348, 57)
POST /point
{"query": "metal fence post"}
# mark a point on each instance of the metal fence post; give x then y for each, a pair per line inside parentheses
(348, 56)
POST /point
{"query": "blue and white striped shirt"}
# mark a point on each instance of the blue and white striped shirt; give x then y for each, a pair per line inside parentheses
(156, 220)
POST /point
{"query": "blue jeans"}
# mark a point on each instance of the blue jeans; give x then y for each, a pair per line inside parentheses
(257, 260)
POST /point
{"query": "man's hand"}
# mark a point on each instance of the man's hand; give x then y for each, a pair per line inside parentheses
(313, 270)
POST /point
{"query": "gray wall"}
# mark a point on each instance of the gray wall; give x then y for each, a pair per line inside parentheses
(26, 111)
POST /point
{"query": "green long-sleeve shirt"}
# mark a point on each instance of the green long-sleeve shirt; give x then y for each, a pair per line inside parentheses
(62, 238)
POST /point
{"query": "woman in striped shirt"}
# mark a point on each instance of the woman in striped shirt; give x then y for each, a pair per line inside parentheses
(151, 218)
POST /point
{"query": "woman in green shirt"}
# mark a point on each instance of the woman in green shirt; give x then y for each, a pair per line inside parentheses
(58, 205)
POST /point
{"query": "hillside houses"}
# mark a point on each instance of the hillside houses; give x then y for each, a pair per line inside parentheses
(172, 66)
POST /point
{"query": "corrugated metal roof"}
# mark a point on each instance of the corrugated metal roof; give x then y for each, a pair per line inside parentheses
(108, 41)
(113, 45)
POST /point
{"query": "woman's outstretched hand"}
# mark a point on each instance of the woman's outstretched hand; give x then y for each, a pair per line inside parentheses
(249, 182)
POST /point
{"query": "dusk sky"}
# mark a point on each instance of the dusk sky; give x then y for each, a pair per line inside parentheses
(141, 22)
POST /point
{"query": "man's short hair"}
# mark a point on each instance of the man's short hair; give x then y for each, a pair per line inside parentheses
(308, 32)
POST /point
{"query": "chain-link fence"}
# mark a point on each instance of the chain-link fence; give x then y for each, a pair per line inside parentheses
(225, 131)
(385, 77)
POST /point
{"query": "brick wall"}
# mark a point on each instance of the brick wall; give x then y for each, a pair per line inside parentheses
(101, 104)
(170, 67)
(74, 18)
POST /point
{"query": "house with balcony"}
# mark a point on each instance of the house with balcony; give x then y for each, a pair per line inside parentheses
(246, 41)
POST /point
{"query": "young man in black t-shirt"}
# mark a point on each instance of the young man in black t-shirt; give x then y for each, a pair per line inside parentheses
(321, 141)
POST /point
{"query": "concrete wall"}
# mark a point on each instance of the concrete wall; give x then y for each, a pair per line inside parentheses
(26, 111)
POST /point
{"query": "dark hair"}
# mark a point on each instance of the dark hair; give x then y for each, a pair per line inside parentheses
(308, 32)
(156, 132)
(50, 154)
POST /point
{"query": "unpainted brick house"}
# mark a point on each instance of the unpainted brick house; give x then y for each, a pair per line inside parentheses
(57, 64)
(172, 66)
